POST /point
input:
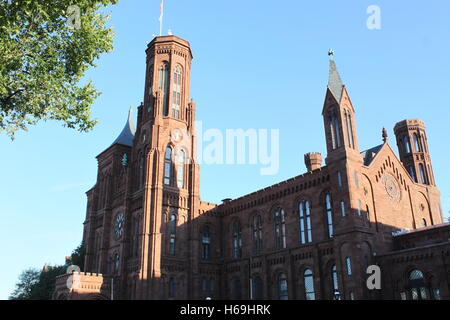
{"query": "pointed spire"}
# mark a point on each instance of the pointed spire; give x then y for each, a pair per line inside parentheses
(126, 137)
(335, 83)
(384, 134)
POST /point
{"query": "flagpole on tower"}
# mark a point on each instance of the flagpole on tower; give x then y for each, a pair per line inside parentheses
(161, 16)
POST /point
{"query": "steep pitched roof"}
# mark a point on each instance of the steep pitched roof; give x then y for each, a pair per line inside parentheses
(126, 137)
(335, 83)
(369, 155)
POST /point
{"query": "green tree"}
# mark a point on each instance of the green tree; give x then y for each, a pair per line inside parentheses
(77, 257)
(40, 285)
(45, 50)
(24, 288)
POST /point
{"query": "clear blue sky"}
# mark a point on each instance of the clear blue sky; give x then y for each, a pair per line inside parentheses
(258, 64)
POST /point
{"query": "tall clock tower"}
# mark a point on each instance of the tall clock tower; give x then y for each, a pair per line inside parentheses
(165, 155)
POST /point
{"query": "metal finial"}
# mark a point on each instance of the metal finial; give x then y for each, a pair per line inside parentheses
(331, 53)
(384, 135)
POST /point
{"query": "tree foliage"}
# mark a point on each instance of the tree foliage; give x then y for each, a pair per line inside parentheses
(27, 281)
(40, 285)
(42, 61)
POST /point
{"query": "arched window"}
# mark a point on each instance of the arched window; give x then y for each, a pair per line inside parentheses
(304, 220)
(181, 160)
(257, 234)
(329, 215)
(334, 129)
(348, 264)
(206, 243)
(335, 283)
(237, 240)
(116, 263)
(308, 280)
(282, 287)
(163, 85)
(176, 97)
(171, 288)
(348, 122)
(423, 177)
(168, 166)
(416, 142)
(407, 144)
(339, 179)
(342, 208)
(237, 289)
(412, 173)
(417, 285)
(257, 288)
(172, 233)
(280, 229)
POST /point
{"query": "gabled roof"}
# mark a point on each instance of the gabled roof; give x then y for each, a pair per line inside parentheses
(335, 83)
(369, 155)
(126, 137)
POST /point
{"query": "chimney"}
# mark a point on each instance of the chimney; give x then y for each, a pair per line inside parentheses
(313, 161)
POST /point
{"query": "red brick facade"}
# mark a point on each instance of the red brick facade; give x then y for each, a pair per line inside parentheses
(149, 236)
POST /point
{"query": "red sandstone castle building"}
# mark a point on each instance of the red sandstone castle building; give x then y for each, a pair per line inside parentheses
(148, 235)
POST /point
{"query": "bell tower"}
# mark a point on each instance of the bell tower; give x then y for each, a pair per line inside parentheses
(167, 85)
(339, 118)
(165, 150)
(413, 150)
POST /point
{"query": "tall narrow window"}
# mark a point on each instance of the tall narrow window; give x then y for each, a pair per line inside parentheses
(348, 264)
(181, 160)
(237, 240)
(163, 85)
(412, 173)
(257, 234)
(407, 144)
(172, 234)
(339, 179)
(116, 263)
(168, 166)
(257, 288)
(368, 213)
(237, 289)
(176, 97)
(206, 244)
(343, 208)
(150, 80)
(423, 178)
(359, 208)
(308, 280)
(329, 215)
(280, 229)
(335, 283)
(424, 222)
(171, 289)
(304, 220)
(416, 143)
(348, 122)
(282, 287)
(334, 129)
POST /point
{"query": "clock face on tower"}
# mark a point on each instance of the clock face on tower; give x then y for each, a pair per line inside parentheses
(392, 187)
(118, 225)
